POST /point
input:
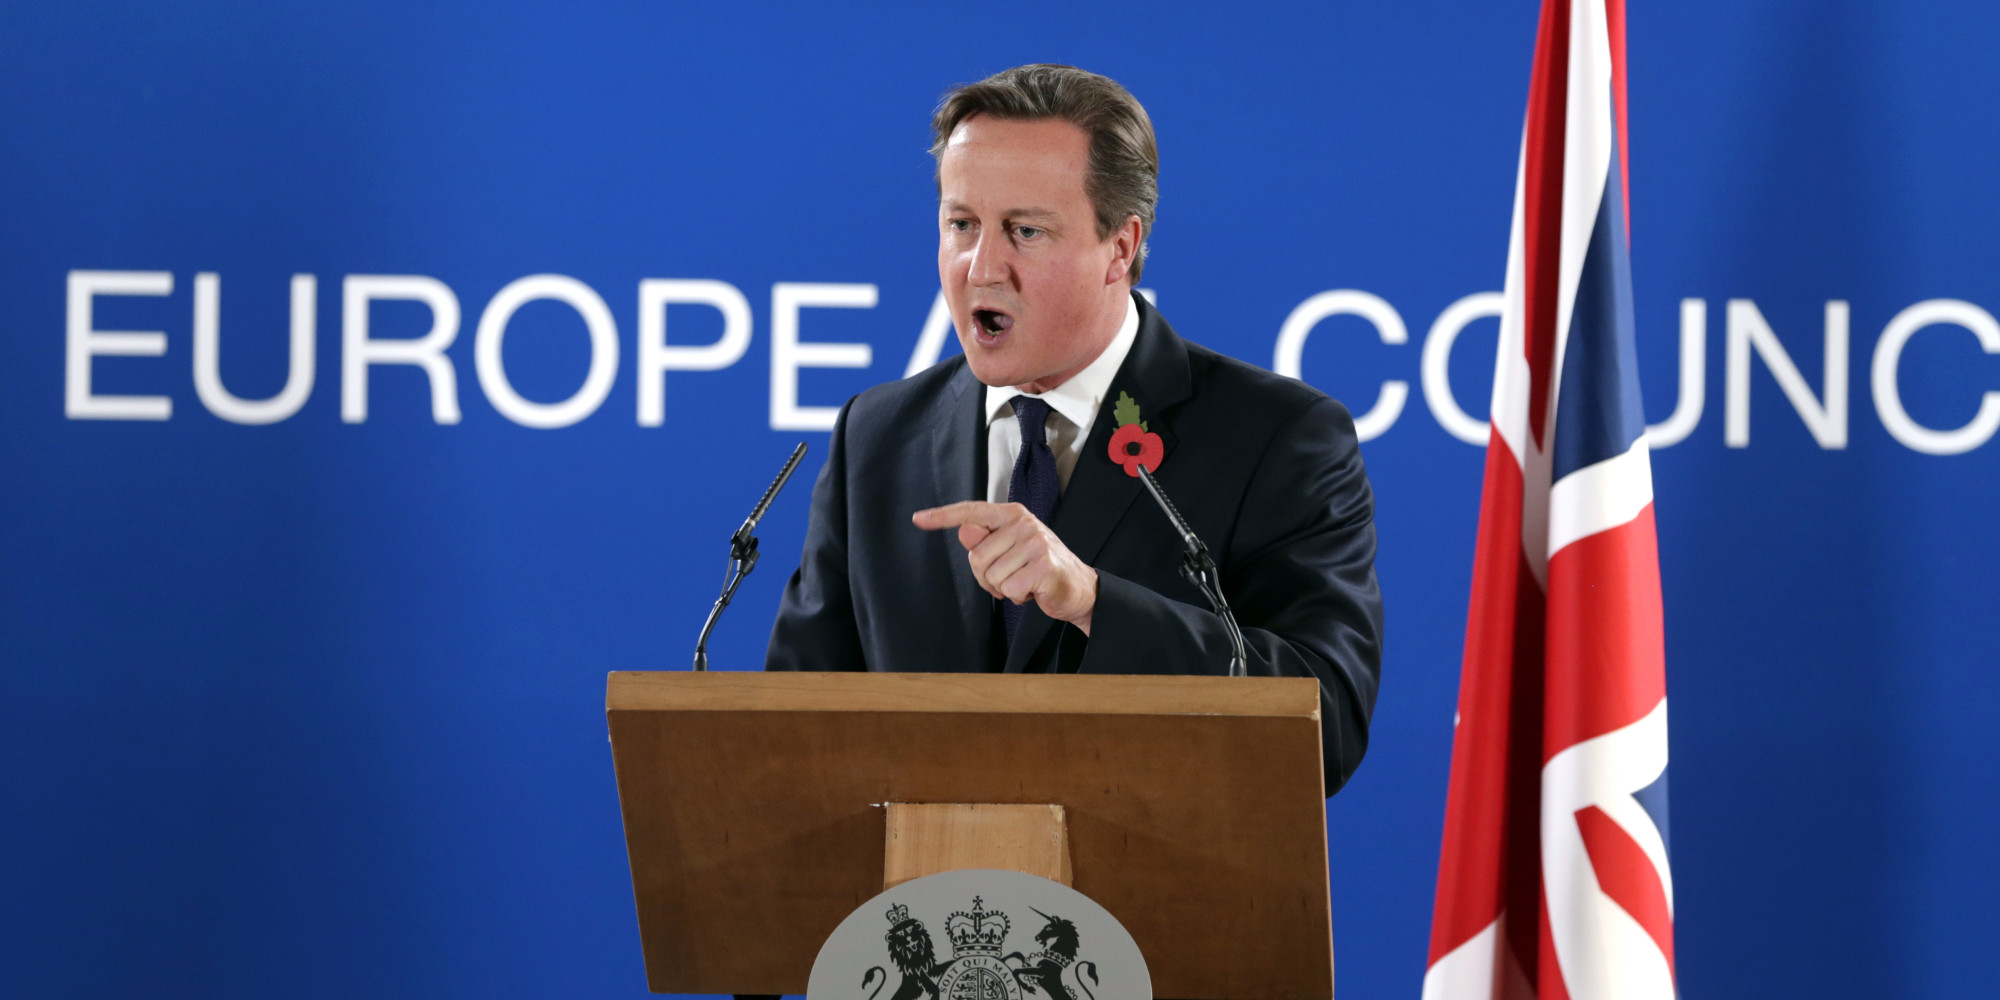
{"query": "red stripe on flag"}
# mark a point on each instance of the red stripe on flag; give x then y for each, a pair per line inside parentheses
(1614, 16)
(1551, 986)
(1541, 195)
(1491, 858)
(1606, 653)
(1627, 875)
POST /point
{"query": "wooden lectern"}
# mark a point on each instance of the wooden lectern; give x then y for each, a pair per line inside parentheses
(761, 809)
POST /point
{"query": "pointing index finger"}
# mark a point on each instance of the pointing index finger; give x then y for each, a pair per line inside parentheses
(979, 512)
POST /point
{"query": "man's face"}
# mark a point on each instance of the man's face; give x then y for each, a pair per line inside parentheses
(1034, 294)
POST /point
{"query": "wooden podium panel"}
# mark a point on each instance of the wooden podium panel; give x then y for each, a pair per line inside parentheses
(754, 809)
(928, 838)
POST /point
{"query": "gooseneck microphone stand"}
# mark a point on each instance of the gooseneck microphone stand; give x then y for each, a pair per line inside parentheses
(1200, 569)
(743, 555)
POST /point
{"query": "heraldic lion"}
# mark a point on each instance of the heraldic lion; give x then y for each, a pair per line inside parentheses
(914, 955)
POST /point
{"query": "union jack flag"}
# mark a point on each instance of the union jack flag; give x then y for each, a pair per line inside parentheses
(1554, 880)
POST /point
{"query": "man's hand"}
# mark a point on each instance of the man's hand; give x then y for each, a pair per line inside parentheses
(1016, 557)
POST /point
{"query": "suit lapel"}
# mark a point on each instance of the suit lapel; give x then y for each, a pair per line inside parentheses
(958, 455)
(1100, 494)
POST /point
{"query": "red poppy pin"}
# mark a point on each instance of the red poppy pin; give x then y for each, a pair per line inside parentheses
(1131, 444)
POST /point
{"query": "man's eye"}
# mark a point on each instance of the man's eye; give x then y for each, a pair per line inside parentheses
(1027, 232)
(959, 225)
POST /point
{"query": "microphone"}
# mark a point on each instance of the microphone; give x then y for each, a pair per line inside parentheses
(1199, 568)
(743, 554)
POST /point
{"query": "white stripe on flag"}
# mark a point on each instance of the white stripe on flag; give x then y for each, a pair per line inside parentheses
(1589, 145)
(1509, 407)
(1604, 953)
(1600, 497)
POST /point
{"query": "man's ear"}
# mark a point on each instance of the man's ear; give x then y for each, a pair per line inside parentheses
(1125, 248)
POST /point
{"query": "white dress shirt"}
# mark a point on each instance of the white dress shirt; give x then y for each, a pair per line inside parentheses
(1073, 405)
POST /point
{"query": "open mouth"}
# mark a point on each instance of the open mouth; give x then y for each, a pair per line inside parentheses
(992, 323)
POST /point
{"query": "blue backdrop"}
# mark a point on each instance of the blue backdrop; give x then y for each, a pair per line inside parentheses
(313, 707)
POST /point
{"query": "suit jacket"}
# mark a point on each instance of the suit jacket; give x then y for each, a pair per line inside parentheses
(1266, 469)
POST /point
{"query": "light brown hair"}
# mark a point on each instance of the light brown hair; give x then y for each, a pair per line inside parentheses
(1123, 176)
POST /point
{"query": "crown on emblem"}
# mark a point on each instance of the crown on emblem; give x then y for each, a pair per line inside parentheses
(981, 932)
(898, 913)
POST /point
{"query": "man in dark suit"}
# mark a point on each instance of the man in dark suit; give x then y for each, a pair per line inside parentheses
(983, 515)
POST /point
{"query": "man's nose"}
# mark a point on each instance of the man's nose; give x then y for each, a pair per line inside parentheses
(989, 260)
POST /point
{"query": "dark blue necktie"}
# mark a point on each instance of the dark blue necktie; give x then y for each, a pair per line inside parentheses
(1034, 484)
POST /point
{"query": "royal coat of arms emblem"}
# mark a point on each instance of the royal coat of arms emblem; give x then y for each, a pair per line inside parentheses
(977, 969)
(989, 958)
